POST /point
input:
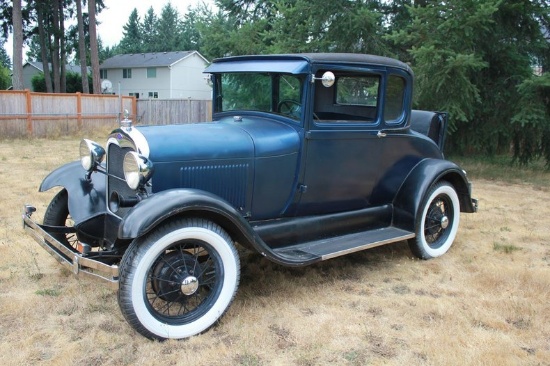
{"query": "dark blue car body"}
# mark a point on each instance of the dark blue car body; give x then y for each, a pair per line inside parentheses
(292, 168)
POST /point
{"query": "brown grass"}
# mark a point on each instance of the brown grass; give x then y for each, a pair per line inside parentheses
(485, 302)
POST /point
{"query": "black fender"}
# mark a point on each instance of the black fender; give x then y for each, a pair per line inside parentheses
(86, 197)
(425, 174)
(152, 211)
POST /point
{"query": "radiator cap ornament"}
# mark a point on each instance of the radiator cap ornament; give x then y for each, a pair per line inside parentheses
(126, 122)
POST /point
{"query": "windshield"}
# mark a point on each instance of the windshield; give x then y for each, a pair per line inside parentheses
(264, 92)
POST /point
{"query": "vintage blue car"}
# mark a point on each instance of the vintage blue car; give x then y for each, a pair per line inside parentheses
(308, 157)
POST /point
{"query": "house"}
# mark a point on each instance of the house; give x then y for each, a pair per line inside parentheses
(164, 75)
(32, 68)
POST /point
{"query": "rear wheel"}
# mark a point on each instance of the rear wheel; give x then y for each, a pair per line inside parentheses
(57, 214)
(178, 280)
(437, 222)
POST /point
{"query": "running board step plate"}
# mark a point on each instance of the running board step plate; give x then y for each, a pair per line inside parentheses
(320, 250)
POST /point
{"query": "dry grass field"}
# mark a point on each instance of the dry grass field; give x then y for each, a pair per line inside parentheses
(486, 302)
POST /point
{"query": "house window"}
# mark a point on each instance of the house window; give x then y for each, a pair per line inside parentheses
(103, 74)
(134, 95)
(151, 72)
(126, 73)
(153, 95)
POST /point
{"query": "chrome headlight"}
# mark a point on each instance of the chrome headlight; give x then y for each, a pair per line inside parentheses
(137, 169)
(91, 154)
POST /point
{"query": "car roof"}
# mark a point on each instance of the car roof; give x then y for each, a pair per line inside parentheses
(313, 58)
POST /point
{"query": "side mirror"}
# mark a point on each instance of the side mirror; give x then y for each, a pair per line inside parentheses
(327, 79)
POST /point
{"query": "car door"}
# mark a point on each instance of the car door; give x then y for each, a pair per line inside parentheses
(351, 151)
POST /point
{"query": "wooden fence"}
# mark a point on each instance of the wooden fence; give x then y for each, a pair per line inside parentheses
(25, 113)
(173, 111)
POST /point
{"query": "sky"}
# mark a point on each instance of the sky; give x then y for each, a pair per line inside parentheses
(116, 15)
(117, 12)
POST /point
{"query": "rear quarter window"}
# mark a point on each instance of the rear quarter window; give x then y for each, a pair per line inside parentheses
(395, 97)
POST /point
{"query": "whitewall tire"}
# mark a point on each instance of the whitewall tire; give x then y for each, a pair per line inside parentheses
(178, 280)
(436, 222)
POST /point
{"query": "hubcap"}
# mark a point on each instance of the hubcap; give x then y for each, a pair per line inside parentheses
(189, 285)
(444, 222)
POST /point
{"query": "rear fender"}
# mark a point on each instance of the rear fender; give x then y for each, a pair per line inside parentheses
(86, 197)
(426, 173)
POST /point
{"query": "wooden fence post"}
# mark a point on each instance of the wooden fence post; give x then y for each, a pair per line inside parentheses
(79, 110)
(29, 111)
(134, 109)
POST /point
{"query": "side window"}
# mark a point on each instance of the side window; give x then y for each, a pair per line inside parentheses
(395, 95)
(126, 73)
(352, 99)
(361, 90)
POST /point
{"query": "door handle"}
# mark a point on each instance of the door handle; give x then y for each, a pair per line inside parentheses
(381, 134)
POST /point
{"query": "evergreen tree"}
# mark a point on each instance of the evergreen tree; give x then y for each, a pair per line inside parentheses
(474, 58)
(168, 37)
(5, 60)
(5, 64)
(190, 35)
(132, 40)
(149, 31)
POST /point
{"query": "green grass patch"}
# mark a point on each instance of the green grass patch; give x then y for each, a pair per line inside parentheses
(48, 292)
(501, 168)
(505, 248)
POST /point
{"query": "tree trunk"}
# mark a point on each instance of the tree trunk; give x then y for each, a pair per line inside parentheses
(55, 53)
(63, 51)
(17, 78)
(94, 52)
(82, 48)
(43, 45)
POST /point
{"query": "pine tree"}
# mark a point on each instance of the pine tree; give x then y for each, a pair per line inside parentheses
(132, 40)
(149, 31)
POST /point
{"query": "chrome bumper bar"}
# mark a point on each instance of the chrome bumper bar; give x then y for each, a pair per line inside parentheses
(75, 262)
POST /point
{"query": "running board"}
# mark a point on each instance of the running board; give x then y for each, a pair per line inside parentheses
(320, 250)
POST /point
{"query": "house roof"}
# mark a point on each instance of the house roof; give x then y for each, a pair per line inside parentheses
(40, 66)
(155, 59)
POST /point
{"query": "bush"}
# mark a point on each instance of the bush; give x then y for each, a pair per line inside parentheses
(73, 83)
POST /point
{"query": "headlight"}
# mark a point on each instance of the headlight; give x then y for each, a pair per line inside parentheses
(91, 154)
(137, 169)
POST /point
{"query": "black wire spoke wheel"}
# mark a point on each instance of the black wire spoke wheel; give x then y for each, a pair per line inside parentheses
(184, 281)
(436, 227)
(436, 222)
(57, 214)
(179, 279)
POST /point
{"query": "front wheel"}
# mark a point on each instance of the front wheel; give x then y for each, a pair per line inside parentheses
(57, 214)
(437, 222)
(178, 280)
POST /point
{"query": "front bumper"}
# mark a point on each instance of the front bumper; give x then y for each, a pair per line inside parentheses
(74, 261)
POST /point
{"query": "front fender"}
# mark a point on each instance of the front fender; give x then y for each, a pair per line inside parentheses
(150, 212)
(426, 173)
(86, 197)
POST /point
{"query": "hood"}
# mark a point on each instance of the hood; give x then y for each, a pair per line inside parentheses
(228, 138)
(199, 141)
